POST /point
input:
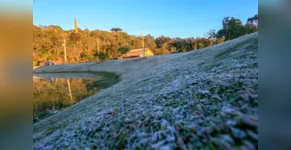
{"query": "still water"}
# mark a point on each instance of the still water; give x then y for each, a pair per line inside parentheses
(53, 92)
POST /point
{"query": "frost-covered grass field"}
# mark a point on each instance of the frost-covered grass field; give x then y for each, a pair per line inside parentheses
(204, 99)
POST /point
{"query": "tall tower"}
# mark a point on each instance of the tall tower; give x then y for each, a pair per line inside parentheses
(143, 50)
(76, 26)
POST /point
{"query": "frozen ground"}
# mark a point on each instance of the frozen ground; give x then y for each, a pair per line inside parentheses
(194, 100)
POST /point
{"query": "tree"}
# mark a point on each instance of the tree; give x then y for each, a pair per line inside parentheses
(123, 50)
(102, 55)
(252, 24)
(232, 28)
(179, 44)
(75, 36)
(201, 45)
(150, 42)
(116, 30)
(250, 28)
(253, 21)
(163, 44)
(161, 40)
(211, 34)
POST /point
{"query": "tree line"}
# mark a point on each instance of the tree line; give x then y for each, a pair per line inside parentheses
(98, 45)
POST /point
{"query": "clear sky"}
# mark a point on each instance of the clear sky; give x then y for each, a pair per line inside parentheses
(174, 18)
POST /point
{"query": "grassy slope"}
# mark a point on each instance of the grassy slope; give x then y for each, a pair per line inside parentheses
(197, 99)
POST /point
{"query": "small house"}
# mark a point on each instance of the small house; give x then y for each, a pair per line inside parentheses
(134, 53)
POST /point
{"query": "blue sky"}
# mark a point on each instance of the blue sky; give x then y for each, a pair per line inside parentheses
(174, 18)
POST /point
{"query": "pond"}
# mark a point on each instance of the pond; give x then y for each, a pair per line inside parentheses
(53, 92)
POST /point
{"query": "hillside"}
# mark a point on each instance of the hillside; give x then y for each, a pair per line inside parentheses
(196, 99)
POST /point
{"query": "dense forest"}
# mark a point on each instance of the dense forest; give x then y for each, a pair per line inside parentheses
(100, 45)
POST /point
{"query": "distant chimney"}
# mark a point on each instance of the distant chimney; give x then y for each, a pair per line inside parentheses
(76, 26)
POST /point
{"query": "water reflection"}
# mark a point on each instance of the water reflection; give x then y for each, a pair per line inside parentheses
(53, 92)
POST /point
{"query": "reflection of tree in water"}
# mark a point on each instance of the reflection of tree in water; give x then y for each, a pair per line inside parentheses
(52, 96)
